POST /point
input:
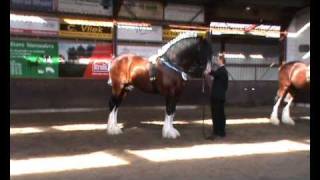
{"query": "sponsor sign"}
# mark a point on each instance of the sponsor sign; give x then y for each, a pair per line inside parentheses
(145, 51)
(44, 5)
(33, 25)
(169, 34)
(139, 33)
(86, 29)
(271, 31)
(84, 7)
(94, 56)
(185, 13)
(33, 59)
(141, 9)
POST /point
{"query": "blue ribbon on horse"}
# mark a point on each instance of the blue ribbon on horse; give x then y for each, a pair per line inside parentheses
(172, 66)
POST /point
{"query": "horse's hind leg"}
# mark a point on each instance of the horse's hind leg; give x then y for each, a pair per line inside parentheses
(274, 115)
(286, 111)
(168, 131)
(114, 102)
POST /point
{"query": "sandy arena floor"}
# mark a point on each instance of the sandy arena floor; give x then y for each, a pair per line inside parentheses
(75, 146)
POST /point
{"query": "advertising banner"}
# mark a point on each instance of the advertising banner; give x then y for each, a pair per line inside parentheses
(33, 59)
(185, 13)
(89, 60)
(141, 9)
(84, 7)
(270, 31)
(34, 25)
(139, 33)
(145, 51)
(171, 33)
(44, 5)
(87, 29)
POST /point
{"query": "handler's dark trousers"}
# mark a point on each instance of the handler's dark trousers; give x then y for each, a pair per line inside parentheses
(218, 115)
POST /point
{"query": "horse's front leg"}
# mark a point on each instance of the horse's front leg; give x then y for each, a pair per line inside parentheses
(168, 131)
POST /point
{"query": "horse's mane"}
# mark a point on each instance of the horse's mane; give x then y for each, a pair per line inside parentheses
(180, 37)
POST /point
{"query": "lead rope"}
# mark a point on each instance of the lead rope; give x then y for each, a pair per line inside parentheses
(203, 108)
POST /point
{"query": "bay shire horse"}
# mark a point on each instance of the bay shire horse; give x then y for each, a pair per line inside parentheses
(164, 73)
(293, 76)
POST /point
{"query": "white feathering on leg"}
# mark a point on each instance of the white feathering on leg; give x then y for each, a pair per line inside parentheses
(274, 115)
(168, 131)
(286, 114)
(113, 127)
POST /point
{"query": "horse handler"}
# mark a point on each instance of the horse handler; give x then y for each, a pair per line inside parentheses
(217, 98)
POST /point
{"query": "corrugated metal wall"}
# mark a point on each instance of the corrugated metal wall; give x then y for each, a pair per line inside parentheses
(247, 68)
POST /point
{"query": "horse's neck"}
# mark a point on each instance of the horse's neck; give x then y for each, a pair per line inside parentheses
(185, 61)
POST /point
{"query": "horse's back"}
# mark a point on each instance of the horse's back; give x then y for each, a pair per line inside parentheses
(293, 73)
(293, 63)
(127, 68)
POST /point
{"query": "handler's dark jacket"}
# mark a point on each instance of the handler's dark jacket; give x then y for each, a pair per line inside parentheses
(219, 84)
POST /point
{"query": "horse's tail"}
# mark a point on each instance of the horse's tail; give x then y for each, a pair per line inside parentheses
(281, 65)
(276, 98)
(109, 70)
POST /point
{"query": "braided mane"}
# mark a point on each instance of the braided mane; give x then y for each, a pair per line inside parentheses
(167, 46)
(181, 36)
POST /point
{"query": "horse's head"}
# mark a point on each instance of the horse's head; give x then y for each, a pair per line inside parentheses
(189, 51)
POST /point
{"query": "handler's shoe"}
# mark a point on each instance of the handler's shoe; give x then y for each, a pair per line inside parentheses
(211, 137)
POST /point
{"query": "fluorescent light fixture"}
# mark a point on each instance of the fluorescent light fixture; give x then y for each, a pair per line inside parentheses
(64, 163)
(268, 28)
(234, 56)
(220, 150)
(183, 30)
(215, 33)
(256, 56)
(306, 56)
(229, 25)
(273, 35)
(23, 18)
(301, 30)
(134, 26)
(270, 31)
(88, 22)
(203, 28)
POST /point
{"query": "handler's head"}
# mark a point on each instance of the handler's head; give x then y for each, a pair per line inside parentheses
(221, 60)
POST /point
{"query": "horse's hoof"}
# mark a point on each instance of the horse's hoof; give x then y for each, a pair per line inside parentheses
(288, 121)
(171, 133)
(274, 121)
(114, 130)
